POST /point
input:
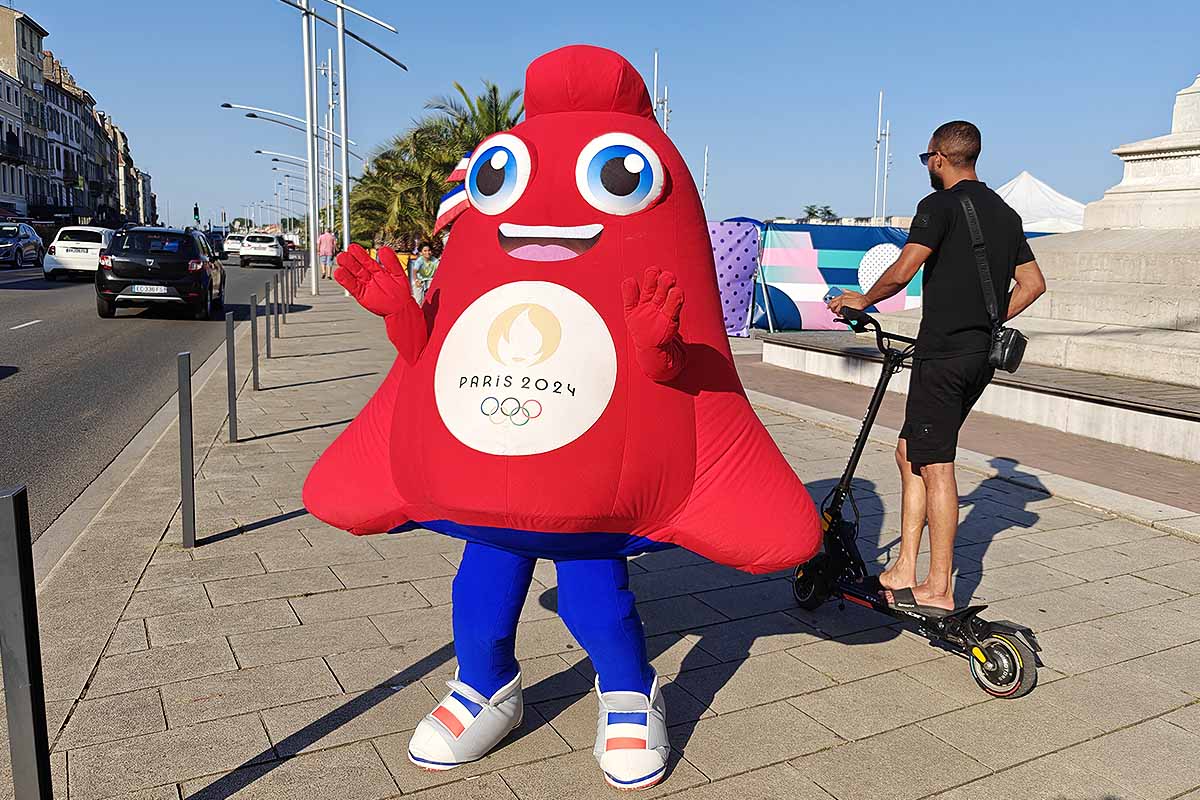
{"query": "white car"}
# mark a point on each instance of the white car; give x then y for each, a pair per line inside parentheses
(261, 247)
(233, 243)
(76, 248)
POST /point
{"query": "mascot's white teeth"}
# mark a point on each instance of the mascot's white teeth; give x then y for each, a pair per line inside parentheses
(548, 242)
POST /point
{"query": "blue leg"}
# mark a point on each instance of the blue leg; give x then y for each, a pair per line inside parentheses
(489, 590)
(595, 603)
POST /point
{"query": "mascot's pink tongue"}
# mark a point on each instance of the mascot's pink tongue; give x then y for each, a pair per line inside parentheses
(542, 252)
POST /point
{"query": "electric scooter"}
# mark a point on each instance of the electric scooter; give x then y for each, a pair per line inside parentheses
(1002, 654)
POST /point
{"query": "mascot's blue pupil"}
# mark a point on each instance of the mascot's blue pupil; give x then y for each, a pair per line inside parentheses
(495, 168)
(621, 172)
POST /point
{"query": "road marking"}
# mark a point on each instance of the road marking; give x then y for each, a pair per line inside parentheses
(24, 325)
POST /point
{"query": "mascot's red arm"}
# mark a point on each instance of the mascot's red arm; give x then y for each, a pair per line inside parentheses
(652, 317)
(351, 486)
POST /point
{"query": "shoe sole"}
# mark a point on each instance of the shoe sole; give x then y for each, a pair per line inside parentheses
(644, 783)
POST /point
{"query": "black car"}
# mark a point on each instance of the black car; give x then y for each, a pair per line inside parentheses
(147, 266)
(20, 245)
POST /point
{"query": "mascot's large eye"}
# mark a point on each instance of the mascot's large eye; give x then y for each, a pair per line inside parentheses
(498, 173)
(619, 174)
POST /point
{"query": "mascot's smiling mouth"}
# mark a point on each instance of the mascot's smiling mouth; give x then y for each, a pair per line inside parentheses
(548, 242)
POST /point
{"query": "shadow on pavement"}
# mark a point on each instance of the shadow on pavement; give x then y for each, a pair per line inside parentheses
(326, 353)
(8, 372)
(298, 430)
(253, 526)
(320, 380)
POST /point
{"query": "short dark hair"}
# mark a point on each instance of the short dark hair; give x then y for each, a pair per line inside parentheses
(959, 141)
(423, 245)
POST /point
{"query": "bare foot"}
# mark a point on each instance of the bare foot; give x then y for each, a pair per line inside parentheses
(898, 576)
(927, 597)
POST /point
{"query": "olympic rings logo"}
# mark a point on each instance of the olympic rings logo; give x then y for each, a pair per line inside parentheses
(510, 409)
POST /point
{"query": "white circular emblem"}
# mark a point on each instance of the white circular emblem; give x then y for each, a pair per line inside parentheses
(874, 263)
(528, 367)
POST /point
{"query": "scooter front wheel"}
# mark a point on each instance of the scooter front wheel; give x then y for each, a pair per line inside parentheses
(810, 584)
(1009, 668)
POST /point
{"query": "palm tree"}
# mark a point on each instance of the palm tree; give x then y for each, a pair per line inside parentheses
(396, 200)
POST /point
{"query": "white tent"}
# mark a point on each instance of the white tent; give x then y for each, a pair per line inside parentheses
(1042, 209)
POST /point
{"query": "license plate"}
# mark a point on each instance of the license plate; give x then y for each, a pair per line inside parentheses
(149, 290)
(77, 250)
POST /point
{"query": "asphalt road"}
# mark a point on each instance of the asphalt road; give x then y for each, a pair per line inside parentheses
(74, 388)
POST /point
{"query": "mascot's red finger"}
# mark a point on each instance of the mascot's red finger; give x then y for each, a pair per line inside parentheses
(390, 263)
(665, 281)
(673, 303)
(649, 284)
(629, 294)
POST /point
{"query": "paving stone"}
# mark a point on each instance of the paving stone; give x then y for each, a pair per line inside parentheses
(1154, 757)
(1175, 667)
(396, 665)
(547, 779)
(233, 541)
(107, 719)
(481, 787)
(689, 579)
(999, 734)
(676, 614)
(668, 559)
(246, 690)
(861, 655)
(1187, 718)
(534, 739)
(161, 665)
(74, 629)
(348, 603)
(764, 735)
(1113, 697)
(1052, 777)
(346, 773)
(874, 705)
(304, 641)
(669, 654)
(1015, 581)
(1049, 519)
(344, 718)
(172, 600)
(1183, 576)
(393, 570)
(999, 553)
(102, 559)
(1088, 537)
(748, 600)
(543, 678)
(168, 757)
(769, 783)
(1160, 550)
(272, 585)
(346, 549)
(753, 636)
(407, 545)
(543, 637)
(755, 681)
(159, 576)
(128, 637)
(899, 767)
(1157, 627)
(833, 621)
(1084, 647)
(188, 626)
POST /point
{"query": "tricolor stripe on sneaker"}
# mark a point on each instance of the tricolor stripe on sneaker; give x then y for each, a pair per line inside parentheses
(626, 730)
(456, 712)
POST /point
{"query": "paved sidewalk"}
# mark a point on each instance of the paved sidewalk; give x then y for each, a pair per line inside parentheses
(284, 659)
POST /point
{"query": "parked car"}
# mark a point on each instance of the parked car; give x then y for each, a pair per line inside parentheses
(148, 266)
(20, 246)
(233, 243)
(259, 247)
(76, 248)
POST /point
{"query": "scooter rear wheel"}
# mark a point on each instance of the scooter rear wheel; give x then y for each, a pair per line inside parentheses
(810, 584)
(1013, 667)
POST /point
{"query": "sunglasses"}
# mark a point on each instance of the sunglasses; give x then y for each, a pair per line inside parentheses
(926, 156)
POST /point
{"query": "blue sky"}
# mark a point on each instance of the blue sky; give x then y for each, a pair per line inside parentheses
(783, 93)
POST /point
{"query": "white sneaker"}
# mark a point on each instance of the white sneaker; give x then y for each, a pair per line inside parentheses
(465, 725)
(631, 738)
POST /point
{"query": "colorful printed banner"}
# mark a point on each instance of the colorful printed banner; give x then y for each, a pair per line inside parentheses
(735, 251)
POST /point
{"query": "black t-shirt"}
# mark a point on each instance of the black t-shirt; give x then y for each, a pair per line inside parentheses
(954, 319)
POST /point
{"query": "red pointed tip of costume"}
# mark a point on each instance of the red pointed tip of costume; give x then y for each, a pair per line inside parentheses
(583, 77)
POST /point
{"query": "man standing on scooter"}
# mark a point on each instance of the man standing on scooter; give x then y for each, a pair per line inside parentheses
(950, 367)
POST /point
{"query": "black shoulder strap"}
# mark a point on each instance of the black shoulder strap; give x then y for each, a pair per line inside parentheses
(980, 250)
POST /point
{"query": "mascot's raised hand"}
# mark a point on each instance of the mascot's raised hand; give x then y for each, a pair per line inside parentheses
(652, 317)
(382, 287)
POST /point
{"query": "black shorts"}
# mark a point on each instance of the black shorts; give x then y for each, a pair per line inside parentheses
(941, 392)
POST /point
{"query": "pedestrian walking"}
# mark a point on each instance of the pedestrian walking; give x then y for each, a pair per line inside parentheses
(326, 247)
(951, 365)
(421, 271)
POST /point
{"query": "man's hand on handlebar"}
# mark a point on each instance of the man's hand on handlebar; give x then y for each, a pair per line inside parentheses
(850, 299)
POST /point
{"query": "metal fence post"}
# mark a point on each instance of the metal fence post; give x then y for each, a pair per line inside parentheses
(267, 316)
(187, 464)
(21, 653)
(278, 306)
(231, 375)
(254, 339)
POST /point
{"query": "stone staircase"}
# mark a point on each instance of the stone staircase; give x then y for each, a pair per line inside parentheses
(1118, 302)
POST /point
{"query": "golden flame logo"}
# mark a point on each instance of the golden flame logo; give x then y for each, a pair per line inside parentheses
(524, 335)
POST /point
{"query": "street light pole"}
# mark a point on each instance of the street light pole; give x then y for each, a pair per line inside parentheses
(343, 113)
(310, 141)
(329, 134)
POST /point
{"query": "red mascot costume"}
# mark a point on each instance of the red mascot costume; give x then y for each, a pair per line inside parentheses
(565, 392)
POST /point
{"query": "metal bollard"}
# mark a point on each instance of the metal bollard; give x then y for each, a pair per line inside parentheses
(267, 316)
(187, 464)
(254, 339)
(278, 306)
(21, 653)
(281, 284)
(231, 376)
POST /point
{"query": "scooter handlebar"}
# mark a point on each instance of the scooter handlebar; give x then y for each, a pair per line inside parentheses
(858, 321)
